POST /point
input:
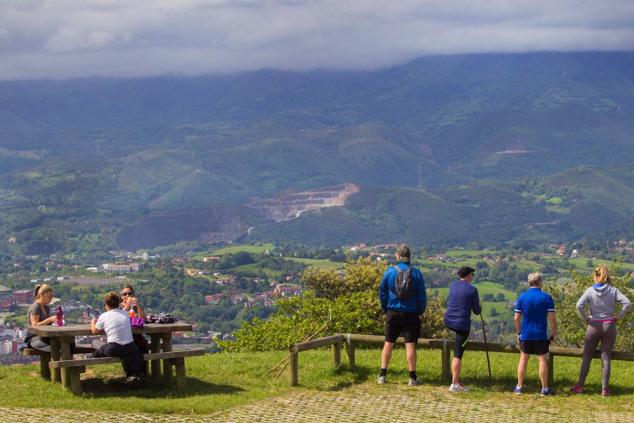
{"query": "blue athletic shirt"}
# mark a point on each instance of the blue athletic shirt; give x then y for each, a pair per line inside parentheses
(534, 305)
(462, 300)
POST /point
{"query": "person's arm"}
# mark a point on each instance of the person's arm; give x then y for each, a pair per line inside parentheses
(552, 322)
(581, 305)
(475, 306)
(34, 317)
(552, 319)
(422, 296)
(97, 325)
(140, 312)
(625, 304)
(35, 320)
(383, 291)
(93, 327)
(517, 319)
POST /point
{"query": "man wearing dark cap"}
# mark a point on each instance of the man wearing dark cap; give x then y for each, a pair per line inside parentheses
(463, 299)
(403, 300)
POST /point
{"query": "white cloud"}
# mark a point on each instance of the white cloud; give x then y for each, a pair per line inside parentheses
(66, 38)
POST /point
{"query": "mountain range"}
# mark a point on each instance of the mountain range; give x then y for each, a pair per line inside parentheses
(487, 148)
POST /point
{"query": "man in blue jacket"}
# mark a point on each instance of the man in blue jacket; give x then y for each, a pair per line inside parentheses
(403, 300)
(463, 299)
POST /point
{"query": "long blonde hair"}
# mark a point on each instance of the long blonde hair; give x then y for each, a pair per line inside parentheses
(40, 290)
(601, 274)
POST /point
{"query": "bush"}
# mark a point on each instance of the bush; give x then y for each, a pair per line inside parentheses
(336, 304)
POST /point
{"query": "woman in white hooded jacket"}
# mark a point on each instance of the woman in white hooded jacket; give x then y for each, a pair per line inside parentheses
(602, 299)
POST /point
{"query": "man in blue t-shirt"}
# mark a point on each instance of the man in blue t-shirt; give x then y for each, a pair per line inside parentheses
(534, 310)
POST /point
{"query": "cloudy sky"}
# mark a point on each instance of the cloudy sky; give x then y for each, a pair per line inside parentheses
(77, 38)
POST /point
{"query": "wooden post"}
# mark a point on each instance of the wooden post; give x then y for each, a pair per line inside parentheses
(66, 354)
(45, 371)
(336, 354)
(181, 380)
(75, 380)
(155, 346)
(446, 362)
(167, 364)
(293, 359)
(551, 370)
(350, 352)
(55, 354)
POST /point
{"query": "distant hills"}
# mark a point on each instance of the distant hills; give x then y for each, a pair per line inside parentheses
(483, 148)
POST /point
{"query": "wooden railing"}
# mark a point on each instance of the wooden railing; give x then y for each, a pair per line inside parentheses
(444, 345)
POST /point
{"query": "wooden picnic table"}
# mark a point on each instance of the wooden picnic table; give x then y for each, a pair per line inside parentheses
(63, 337)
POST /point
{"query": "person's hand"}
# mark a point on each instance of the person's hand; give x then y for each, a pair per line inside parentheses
(131, 302)
(50, 320)
(553, 336)
(518, 339)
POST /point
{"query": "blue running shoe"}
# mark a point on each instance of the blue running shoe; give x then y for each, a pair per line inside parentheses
(547, 392)
(518, 390)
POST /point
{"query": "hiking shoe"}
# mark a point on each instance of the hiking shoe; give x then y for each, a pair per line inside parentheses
(414, 382)
(547, 392)
(382, 380)
(518, 390)
(605, 392)
(132, 379)
(457, 388)
(576, 389)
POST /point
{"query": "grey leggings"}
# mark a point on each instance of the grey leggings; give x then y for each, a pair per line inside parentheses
(606, 333)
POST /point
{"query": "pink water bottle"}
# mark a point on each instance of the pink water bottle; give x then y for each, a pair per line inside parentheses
(60, 316)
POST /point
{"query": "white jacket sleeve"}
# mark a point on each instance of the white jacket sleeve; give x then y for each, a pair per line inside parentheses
(581, 305)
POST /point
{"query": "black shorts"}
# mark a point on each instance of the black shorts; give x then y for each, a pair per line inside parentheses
(534, 347)
(462, 336)
(402, 324)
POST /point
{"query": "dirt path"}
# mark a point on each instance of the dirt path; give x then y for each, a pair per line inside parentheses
(359, 404)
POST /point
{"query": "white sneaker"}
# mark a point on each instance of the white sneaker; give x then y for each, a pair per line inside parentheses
(454, 387)
(414, 382)
(382, 380)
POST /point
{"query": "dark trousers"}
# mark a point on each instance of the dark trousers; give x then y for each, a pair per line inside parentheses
(128, 353)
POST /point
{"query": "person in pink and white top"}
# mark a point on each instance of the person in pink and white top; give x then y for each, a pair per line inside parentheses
(601, 299)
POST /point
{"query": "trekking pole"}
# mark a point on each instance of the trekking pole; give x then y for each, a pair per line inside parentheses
(486, 348)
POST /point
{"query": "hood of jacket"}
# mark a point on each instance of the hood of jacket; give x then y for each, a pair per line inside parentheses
(600, 288)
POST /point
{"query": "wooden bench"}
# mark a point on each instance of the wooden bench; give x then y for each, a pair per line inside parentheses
(171, 359)
(45, 357)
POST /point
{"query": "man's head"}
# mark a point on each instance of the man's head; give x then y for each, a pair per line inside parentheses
(535, 280)
(466, 273)
(111, 301)
(403, 253)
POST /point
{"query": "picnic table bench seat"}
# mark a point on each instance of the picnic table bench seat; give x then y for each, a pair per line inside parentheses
(45, 357)
(171, 359)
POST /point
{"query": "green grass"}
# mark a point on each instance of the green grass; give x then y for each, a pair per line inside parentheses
(222, 381)
(319, 263)
(484, 287)
(232, 249)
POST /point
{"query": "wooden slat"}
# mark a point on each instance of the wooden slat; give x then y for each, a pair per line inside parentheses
(79, 349)
(321, 342)
(84, 329)
(110, 360)
(481, 346)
